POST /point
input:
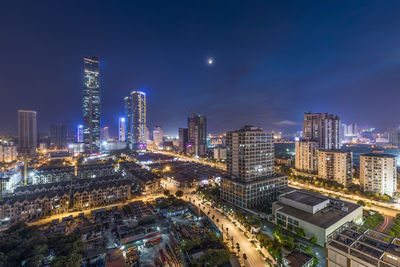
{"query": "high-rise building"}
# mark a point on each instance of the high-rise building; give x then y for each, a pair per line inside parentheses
(122, 131)
(197, 134)
(8, 151)
(250, 177)
(378, 173)
(79, 134)
(27, 133)
(91, 104)
(183, 139)
(336, 165)
(58, 136)
(157, 136)
(135, 109)
(306, 156)
(323, 128)
(105, 135)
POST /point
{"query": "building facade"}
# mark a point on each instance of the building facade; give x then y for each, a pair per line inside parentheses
(135, 114)
(105, 133)
(354, 245)
(336, 165)
(322, 128)
(8, 152)
(79, 134)
(27, 133)
(378, 173)
(91, 104)
(250, 177)
(58, 136)
(122, 130)
(183, 140)
(158, 136)
(197, 134)
(317, 215)
(306, 156)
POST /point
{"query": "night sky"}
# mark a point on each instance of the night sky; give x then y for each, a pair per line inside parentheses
(273, 61)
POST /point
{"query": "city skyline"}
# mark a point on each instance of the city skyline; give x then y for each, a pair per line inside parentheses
(249, 70)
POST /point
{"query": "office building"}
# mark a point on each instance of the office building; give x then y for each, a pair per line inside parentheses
(122, 131)
(158, 136)
(183, 140)
(322, 128)
(27, 133)
(79, 134)
(306, 156)
(378, 173)
(197, 134)
(135, 109)
(250, 177)
(105, 135)
(336, 165)
(355, 245)
(91, 104)
(58, 136)
(317, 215)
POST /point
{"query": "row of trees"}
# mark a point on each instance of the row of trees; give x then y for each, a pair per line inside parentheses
(335, 186)
(395, 229)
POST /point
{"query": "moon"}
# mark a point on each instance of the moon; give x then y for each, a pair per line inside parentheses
(210, 61)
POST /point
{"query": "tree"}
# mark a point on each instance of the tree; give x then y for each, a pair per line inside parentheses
(166, 192)
(244, 256)
(179, 193)
(300, 232)
(361, 202)
(313, 240)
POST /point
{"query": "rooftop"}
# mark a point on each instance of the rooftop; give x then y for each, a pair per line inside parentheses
(335, 211)
(378, 155)
(302, 197)
(364, 242)
(297, 259)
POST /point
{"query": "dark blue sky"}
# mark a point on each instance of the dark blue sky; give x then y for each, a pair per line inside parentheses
(273, 60)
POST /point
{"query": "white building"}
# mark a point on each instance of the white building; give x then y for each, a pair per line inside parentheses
(8, 152)
(219, 153)
(306, 156)
(316, 214)
(250, 177)
(158, 136)
(336, 165)
(378, 173)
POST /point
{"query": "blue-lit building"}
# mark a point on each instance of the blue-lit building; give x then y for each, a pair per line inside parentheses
(122, 130)
(79, 134)
(135, 116)
(91, 104)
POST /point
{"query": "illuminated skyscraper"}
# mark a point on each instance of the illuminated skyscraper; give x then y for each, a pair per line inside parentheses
(79, 134)
(27, 133)
(322, 128)
(197, 134)
(122, 131)
(135, 109)
(91, 104)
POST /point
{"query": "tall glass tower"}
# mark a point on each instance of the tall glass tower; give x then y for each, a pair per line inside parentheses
(135, 109)
(91, 104)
